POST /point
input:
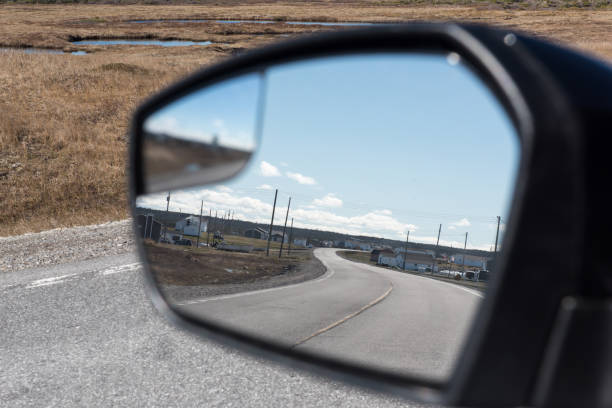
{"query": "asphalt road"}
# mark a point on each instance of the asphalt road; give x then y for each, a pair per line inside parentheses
(85, 334)
(359, 313)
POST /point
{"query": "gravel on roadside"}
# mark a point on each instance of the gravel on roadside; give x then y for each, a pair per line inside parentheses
(63, 245)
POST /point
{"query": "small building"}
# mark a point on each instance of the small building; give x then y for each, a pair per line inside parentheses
(278, 236)
(469, 260)
(377, 252)
(353, 244)
(190, 226)
(364, 246)
(257, 233)
(387, 259)
(300, 241)
(415, 261)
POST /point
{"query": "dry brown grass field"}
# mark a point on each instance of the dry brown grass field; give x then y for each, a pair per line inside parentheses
(64, 118)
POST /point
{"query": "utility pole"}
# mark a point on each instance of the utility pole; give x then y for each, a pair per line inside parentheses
(200, 225)
(271, 223)
(436, 251)
(406, 249)
(208, 226)
(232, 212)
(464, 247)
(165, 223)
(216, 212)
(290, 236)
(144, 235)
(284, 229)
(497, 234)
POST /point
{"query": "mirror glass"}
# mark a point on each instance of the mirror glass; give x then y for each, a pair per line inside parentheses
(204, 137)
(365, 224)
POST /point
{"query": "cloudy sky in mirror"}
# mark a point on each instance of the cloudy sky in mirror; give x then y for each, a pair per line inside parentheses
(373, 145)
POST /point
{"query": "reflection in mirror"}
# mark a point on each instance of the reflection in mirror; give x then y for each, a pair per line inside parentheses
(366, 225)
(205, 137)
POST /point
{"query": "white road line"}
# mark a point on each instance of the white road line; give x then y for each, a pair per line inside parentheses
(121, 268)
(49, 281)
(63, 278)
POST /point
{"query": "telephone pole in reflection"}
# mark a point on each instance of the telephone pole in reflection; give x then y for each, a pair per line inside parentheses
(166, 221)
(406, 249)
(464, 248)
(497, 234)
(436, 251)
(280, 252)
(200, 225)
(290, 236)
(271, 223)
(208, 226)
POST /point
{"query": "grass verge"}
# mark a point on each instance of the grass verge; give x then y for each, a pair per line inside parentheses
(64, 118)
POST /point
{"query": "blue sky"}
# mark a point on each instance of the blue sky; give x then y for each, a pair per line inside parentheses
(367, 144)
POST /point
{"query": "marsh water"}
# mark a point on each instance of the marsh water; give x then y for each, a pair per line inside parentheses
(40, 51)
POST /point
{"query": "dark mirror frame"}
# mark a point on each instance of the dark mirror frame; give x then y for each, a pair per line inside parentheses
(539, 262)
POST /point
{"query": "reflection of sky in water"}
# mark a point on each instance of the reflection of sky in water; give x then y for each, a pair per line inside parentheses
(374, 145)
(224, 114)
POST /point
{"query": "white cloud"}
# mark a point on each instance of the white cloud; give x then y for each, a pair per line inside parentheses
(224, 189)
(301, 178)
(371, 223)
(247, 208)
(265, 187)
(268, 170)
(330, 200)
(384, 212)
(464, 222)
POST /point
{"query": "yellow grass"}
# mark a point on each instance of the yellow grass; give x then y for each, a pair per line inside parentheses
(64, 118)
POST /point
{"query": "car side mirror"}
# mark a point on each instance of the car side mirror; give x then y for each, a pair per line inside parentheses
(350, 203)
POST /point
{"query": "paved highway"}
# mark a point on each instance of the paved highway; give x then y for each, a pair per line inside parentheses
(357, 312)
(85, 334)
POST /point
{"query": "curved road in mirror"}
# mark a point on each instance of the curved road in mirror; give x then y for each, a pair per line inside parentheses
(363, 314)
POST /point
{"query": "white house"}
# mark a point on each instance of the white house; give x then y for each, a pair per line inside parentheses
(470, 260)
(300, 241)
(365, 246)
(388, 259)
(278, 236)
(257, 233)
(415, 261)
(189, 225)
